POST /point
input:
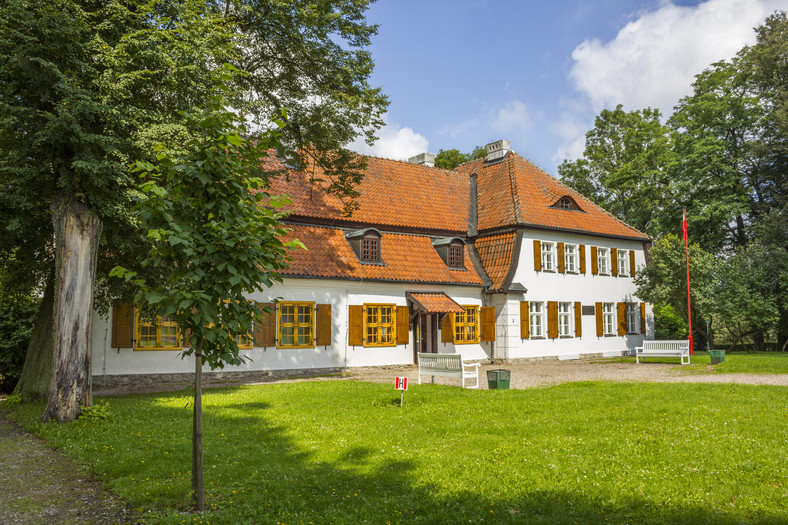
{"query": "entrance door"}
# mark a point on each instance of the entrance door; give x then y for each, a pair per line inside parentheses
(425, 330)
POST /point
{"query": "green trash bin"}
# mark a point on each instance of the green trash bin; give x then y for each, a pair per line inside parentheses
(498, 379)
(717, 356)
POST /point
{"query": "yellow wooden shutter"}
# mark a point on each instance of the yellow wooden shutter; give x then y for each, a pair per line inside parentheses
(632, 263)
(447, 328)
(578, 320)
(122, 325)
(600, 329)
(525, 326)
(323, 325)
(487, 315)
(538, 256)
(355, 335)
(594, 261)
(561, 261)
(613, 262)
(552, 319)
(622, 318)
(582, 250)
(265, 329)
(642, 318)
(403, 322)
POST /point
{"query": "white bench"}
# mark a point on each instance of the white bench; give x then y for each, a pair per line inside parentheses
(678, 349)
(450, 365)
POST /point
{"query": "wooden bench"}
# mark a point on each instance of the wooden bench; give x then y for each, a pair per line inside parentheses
(678, 349)
(450, 365)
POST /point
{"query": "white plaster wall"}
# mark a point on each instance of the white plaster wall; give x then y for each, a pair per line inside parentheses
(340, 294)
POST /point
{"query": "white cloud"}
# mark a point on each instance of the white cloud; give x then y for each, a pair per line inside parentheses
(511, 118)
(653, 60)
(394, 142)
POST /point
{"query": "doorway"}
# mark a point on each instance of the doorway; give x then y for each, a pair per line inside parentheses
(425, 334)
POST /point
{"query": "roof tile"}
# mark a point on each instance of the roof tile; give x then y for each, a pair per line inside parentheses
(495, 253)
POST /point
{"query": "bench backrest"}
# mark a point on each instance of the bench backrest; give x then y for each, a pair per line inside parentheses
(440, 361)
(682, 344)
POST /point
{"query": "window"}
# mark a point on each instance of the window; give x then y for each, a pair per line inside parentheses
(603, 256)
(536, 315)
(564, 203)
(466, 325)
(161, 334)
(623, 263)
(633, 316)
(565, 319)
(296, 325)
(548, 256)
(570, 258)
(456, 256)
(370, 249)
(379, 325)
(608, 318)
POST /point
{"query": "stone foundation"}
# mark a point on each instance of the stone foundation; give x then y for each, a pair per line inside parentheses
(208, 378)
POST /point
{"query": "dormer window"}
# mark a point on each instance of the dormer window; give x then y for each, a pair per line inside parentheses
(456, 255)
(370, 248)
(452, 251)
(367, 245)
(566, 203)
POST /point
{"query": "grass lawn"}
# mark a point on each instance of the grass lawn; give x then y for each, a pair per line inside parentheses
(346, 452)
(735, 363)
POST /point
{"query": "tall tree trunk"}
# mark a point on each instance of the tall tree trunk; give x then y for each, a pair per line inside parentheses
(198, 493)
(77, 231)
(37, 371)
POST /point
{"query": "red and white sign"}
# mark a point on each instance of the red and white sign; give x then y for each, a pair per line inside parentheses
(400, 383)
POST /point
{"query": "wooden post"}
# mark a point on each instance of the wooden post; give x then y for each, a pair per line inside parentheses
(198, 495)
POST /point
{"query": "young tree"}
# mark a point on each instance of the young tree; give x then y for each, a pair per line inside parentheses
(449, 159)
(214, 238)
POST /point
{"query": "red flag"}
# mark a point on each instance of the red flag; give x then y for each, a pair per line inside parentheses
(684, 227)
(689, 304)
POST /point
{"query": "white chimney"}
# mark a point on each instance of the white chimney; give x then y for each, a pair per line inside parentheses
(425, 159)
(497, 150)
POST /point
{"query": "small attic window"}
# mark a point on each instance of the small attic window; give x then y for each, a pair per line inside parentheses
(366, 244)
(456, 255)
(370, 248)
(451, 250)
(566, 203)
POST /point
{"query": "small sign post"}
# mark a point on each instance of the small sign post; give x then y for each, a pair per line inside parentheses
(401, 384)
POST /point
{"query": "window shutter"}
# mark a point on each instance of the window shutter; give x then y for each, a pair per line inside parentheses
(632, 263)
(642, 318)
(487, 315)
(323, 322)
(578, 319)
(447, 331)
(525, 327)
(403, 322)
(355, 334)
(561, 261)
(613, 262)
(265, 329)
(622, 318)
(537, 256)
(552, 319)
(600, 329)
(594, 261)
(582, 250)
(123, 325)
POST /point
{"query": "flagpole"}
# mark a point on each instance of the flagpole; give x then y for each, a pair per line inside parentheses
(689, 304)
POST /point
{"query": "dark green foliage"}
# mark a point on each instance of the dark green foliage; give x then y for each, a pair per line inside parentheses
(449, 159)
(668, 324)
(17, 311)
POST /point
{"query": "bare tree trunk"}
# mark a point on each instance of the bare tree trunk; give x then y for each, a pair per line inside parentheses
(77, 231)
(36, 375)
(198, 494)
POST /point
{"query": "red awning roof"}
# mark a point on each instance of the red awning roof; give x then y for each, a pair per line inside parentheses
(434, 303)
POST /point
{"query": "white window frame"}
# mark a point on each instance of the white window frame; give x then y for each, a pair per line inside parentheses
(609, 318)
(623, 263)
(536, 319)
(565, 319)
(571, 252)
(633, 318)
(548, 256)
(603, 260)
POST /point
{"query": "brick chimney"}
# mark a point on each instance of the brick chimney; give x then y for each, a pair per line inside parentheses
(497, 150)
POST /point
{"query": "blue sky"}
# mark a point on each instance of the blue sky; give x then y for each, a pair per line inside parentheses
(462, 73)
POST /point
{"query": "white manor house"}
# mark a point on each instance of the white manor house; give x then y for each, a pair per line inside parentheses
(496, 260)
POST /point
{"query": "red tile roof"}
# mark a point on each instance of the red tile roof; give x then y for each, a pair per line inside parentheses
(436, 302)
(406, 258)
(516, 191)
(495, 253)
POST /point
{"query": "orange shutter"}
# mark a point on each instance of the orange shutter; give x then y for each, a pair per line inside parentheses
(582, 250)
(323, 325)
(552, 319)
(578, 320)
(561, 261)
(123, 325)
(265, 328)
(487, 315)
(538, 256)
(594, 261)
(525, 328)
(403, 324)
(600, 329)
(355, 334)
(642, 318)
(447, 330)
(613, 262)
(632, 263)
(622, 318)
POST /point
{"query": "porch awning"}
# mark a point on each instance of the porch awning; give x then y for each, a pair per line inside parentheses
(434, 303)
